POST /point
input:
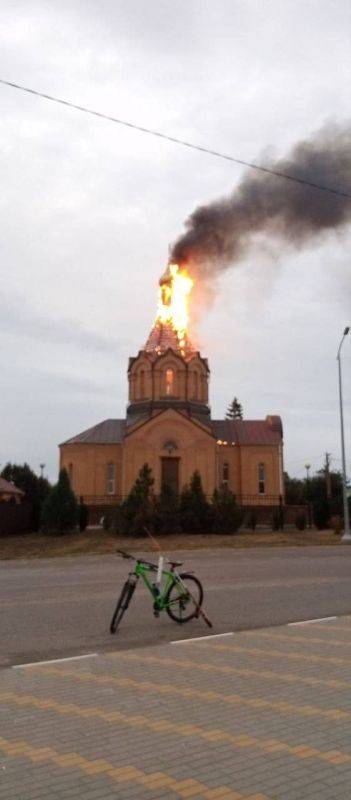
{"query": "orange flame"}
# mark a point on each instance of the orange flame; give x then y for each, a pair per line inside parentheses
(173, 300)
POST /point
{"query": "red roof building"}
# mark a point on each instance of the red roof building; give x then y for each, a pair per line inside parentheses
(168, 424)
(8, 491)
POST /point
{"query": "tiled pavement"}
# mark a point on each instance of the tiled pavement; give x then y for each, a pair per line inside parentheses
(260, 715)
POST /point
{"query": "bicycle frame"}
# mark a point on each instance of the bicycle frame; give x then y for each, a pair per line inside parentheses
(169, 577)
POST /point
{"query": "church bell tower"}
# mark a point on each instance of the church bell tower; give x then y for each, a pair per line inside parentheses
(168, 372)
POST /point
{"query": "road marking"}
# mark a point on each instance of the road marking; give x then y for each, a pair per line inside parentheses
(121, 775)
(242, 740)
(54, 661)
(206, 695)
(311, 621)
(202, 638)
(286, 677)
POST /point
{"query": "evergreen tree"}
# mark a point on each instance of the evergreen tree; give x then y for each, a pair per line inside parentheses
(141, 491)
(138, 509)
(321, 513)
(235, 410)
(295, 490)
(195, 511)
(60, 509)
(227, 517)
(167, 511)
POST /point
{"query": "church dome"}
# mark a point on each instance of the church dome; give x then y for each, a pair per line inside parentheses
(163, 337)
(167, 374)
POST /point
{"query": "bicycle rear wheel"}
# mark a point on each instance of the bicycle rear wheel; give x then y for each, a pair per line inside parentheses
(184, 598)
(122, 605)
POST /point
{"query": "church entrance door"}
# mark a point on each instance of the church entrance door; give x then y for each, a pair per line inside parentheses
(170, 473)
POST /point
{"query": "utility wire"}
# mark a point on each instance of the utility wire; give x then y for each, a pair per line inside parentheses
(175, 140)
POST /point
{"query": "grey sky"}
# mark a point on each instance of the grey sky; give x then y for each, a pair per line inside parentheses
(88, 209)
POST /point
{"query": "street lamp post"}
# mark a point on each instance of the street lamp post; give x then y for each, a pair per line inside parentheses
(347, 533)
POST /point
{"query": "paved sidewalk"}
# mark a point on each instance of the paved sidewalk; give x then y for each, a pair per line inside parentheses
(260, 715)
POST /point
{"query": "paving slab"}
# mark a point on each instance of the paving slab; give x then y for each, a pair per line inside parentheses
(259, 715)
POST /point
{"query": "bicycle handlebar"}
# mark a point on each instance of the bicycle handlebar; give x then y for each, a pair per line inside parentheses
(122, 553)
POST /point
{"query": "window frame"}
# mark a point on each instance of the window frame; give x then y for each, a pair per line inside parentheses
(261, 476)
(169, 381)
(225, 473)
(111, 478)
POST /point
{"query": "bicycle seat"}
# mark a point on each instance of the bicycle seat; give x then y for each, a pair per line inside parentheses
(175, 563)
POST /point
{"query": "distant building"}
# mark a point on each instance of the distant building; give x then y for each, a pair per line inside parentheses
(168, 424)
(10, 493)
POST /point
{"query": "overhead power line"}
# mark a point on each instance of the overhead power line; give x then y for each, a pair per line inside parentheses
(175, 140)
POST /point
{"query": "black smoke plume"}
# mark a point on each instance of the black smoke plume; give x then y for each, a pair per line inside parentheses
(219, 234)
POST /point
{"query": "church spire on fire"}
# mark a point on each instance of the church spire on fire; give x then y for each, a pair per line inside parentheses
(168, 425)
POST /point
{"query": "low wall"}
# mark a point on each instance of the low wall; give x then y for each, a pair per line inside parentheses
(264, 514)
(96, 513)
(15, 518)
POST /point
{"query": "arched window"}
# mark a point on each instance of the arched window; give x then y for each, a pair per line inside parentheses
(261, 479)
(196, 385)
(225, 472)
(169, 381)
(142, 383)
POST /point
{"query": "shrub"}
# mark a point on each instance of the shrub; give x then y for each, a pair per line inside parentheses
(321, 513)
(275, 521)
(82, 515)
(300, 522)
(108, 519)
(194, 510)
(226, 516)
(336, 524)
(60, 509)
(251, 521)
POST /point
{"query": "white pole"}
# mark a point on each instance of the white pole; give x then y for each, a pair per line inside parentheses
(346, 537)
(159, 570)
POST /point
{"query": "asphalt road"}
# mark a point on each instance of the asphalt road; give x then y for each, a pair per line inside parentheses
(55, 608)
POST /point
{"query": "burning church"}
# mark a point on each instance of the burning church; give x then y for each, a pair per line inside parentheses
(168, 425)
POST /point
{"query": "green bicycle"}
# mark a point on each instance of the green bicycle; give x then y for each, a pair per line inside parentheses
(181, 595)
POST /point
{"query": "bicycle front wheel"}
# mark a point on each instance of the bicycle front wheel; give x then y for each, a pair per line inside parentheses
(122, 605)
(184, 598)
